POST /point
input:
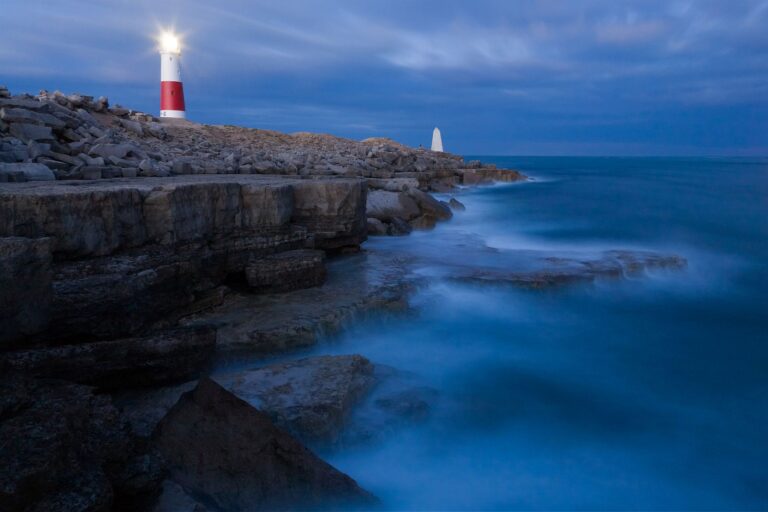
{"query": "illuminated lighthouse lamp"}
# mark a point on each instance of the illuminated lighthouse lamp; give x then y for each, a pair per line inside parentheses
(171, 88)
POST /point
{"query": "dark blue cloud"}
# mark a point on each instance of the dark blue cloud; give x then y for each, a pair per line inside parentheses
(525, 77)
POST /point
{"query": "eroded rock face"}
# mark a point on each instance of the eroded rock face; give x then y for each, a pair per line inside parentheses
(310, 397)
(129, 253)
(64, 448)
(164, 357)
(231, 454)
(25, 288)
(286, 271)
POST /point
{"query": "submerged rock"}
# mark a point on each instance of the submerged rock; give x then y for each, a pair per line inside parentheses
(231, 454)
(554, 271)
(310, 397)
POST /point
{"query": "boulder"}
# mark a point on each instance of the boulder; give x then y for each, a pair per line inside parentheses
(385, 205)
(25, 288)
(286, 271)
(311, 397)
(429, 206)
(456, 205)
(232, 455)
(31, 132)
(399, 227)
(29, 171)
(376, 227)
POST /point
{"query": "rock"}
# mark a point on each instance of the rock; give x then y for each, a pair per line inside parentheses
(91, 172)
(4, 92)
(166, 357)
(429, 206)
(20, 115)
(424, 222)
(456, 205)
(334, 210)
(311, 398)
(229, 453)
(564, 271)
(384, 205)
(132, 126)
(116, 150)
(286, 271)
(175, 499)
(30, 171)
(399, 227)
(31, 132)
(376, 227)
(64, 448)
(25, 288)
(487, 175)
(130, 253)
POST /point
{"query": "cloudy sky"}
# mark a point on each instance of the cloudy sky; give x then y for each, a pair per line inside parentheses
(587, 77)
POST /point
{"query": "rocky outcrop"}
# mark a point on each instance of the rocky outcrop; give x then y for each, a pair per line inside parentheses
(557, 271)
(127, 254)
(165, 357)
(230, 455)
(311, 397)
(64, 448)
(286, 271)
(25, 288)
(269, 323)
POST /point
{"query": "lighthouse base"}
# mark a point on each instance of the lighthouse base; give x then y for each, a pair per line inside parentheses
(175, 114)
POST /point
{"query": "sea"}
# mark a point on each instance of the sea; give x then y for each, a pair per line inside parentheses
(643, 393)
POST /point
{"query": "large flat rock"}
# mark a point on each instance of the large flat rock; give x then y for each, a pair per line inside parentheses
(96, 218)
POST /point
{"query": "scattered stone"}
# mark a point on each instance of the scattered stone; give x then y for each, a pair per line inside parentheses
(30, 171)
(31, 132)
(225, 450)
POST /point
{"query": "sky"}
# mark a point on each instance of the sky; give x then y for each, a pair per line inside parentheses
(499, 77)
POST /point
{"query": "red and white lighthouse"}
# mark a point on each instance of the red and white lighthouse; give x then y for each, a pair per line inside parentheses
(171, 88)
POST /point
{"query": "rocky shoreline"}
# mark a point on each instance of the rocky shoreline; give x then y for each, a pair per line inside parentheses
(134, 254)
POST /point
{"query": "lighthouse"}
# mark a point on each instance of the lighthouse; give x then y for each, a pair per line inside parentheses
(171, 88)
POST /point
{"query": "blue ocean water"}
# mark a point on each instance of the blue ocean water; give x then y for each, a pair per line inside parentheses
(644, 393)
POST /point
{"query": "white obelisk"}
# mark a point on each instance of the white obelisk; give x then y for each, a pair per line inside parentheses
(437, 140)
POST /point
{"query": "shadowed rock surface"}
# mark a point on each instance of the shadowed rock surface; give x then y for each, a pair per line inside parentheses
(161, 358)
(63, 448)
(229, 454)
(287, 271)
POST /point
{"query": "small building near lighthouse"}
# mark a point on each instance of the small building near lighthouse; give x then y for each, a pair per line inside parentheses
(437, 140)
(171, 89)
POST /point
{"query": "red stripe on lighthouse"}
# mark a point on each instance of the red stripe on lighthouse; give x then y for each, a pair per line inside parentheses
(171, 96)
